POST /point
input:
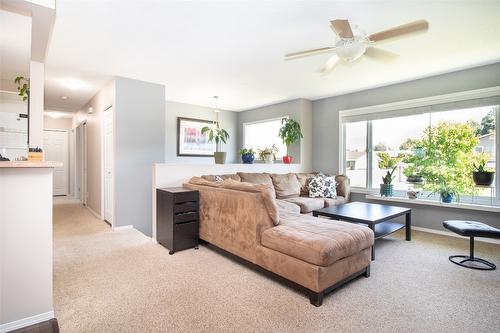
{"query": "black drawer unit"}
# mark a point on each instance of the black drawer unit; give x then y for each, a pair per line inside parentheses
(177, 218)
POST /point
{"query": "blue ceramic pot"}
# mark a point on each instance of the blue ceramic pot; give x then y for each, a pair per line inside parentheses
(247, 158)
(386, 190)
(447, 198)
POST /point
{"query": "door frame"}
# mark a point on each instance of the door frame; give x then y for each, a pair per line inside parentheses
(81, 149)
(103, 165)
(68, 164)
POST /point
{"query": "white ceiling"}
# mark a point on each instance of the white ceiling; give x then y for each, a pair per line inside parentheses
(235, 49)
(15, 48)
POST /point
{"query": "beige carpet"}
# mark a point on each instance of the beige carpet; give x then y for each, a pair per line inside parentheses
(120, 281)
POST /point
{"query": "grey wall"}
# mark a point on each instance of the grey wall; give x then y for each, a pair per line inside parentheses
(300, 110)
(227, 119)
(326, 111)
(325, 124)
(139, 142)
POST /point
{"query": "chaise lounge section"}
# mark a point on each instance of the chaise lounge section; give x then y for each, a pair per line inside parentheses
(246, 220)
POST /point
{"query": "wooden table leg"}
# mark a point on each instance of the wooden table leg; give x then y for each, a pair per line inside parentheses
(372, 226)
(408, 226)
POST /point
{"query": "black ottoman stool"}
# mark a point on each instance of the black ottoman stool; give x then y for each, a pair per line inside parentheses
(472, 229)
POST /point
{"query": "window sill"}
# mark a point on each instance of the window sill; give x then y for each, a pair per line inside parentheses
(484, 208)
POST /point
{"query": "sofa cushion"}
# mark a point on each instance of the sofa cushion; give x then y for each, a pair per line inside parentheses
(266, 190)
(333, 202)
(256, 178)
(343, 186)
(214, 178)
(285, 206)
(306, 204)
(317, 241)
(303, 179)
(285, 185)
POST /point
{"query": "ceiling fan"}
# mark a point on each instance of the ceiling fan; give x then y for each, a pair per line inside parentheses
(351, 47)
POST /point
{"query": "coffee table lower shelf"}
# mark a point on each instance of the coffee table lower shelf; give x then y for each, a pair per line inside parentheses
(385, 228)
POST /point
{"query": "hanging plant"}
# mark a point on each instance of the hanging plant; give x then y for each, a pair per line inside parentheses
(23, 87)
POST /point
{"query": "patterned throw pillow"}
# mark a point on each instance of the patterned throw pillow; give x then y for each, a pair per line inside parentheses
(322, 187)
(218, 178)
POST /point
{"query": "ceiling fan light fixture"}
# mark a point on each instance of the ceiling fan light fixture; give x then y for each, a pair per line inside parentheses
(351, 49)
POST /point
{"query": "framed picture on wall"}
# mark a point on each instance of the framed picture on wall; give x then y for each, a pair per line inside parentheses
(190, 141)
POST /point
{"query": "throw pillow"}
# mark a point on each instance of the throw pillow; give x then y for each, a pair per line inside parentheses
(322, 187)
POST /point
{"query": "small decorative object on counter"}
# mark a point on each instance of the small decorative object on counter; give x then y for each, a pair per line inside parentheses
(247, 155)
(413, 193)
(3, 158)
(35, 154)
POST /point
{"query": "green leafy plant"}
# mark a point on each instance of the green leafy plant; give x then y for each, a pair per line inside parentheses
(217, 134)
(480, 163)
(289, 132)
(389, 176)
(245, 151)
(23, 87)
(444, 189)
(263, 153)
(386, 161)
(448, 159)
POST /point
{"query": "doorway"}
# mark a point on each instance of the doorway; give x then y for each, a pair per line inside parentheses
(108, 164)
(56, 148)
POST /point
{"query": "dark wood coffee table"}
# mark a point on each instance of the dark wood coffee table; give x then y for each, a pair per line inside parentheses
(375, 216)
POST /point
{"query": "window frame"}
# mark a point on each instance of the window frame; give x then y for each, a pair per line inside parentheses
(411, 104)
(259, 122)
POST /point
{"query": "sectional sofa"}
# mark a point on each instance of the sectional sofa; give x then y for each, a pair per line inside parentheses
(242, 214)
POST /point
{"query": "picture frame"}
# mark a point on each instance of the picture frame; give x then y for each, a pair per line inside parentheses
(190, 141)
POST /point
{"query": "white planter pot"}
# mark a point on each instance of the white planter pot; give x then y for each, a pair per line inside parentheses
(269, 159)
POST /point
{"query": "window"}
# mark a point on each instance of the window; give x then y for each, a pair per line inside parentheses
(263, 134)
(427, 147)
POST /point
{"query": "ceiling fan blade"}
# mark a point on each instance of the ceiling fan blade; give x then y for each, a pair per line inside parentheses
(306, 53)
(380, 55)
(412, 27)
(330, 64)
(342, 28)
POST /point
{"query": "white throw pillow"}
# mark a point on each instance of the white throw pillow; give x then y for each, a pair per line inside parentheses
(322, 187)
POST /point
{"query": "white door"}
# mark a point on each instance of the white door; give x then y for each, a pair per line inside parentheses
(108, 164)
(55, 146)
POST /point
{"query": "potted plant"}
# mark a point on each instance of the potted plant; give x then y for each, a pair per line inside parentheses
(219, 135)
(268, 155)
(447, 193)
(481, 175)
(289, 133)
(387, 188)
(247, 155)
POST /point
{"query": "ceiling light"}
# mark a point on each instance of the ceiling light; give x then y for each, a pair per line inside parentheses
(63, 97)
(73, 84)
(90, 110)
(216, 110)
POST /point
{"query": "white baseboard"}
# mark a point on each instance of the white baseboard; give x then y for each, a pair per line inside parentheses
(124, 227)
(94, 213)
(452, 234)
(14, 325)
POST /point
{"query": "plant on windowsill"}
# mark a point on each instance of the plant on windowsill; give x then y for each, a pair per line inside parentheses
(387, 188)
(446, 192)
(289, 133)
(481, 175)
(218, 135)
(268, 155)
(247, 155)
